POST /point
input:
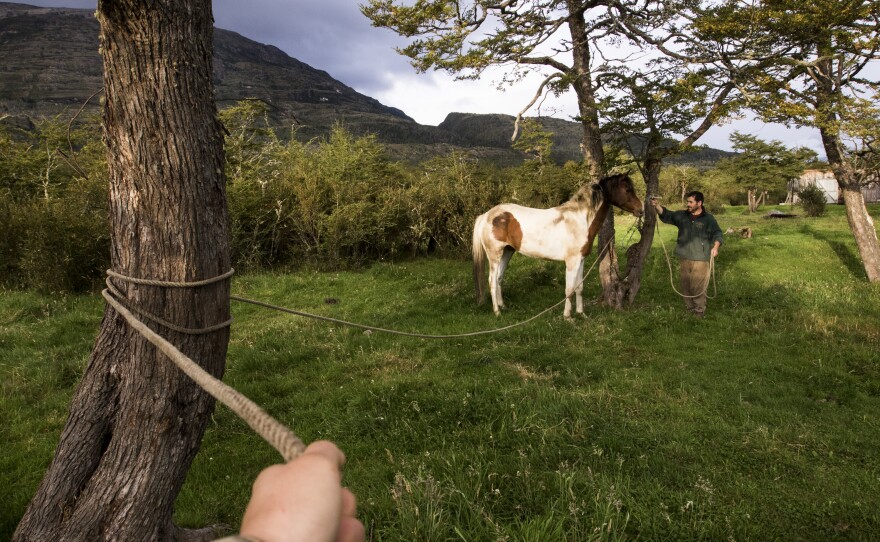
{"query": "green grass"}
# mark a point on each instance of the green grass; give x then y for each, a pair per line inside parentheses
(759, 422)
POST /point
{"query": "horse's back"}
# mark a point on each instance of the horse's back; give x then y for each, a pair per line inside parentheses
(527, 215)
(540, 233)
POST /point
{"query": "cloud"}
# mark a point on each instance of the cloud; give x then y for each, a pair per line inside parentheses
(331, 35)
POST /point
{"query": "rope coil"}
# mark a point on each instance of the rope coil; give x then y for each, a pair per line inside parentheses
(710, 276)
(171, 284)
(120, 297)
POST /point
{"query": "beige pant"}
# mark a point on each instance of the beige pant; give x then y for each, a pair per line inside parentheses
(694, 280)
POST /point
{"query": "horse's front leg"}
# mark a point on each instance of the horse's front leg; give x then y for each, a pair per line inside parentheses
(571, 273)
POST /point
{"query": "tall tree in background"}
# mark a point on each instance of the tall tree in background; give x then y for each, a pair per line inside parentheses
(816, 57)
(761, 166)
(136, 421)
(569, 42)
(654, 115)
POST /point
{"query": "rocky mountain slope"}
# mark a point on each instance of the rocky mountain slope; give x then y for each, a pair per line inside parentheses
(50, 65)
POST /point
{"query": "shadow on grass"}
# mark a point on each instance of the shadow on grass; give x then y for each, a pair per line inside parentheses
(848, 257)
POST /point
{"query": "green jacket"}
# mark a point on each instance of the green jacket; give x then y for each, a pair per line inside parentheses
(696, 236)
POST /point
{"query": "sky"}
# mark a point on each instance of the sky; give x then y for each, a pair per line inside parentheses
(333, 35)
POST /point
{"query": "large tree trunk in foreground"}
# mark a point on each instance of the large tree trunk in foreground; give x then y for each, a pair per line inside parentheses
(136, 421)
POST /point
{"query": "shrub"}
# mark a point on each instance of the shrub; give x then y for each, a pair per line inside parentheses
(444, 199)
(537, 184)
(53, 207)
(56, 246)
(812, 200)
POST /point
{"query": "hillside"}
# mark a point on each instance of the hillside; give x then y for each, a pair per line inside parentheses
(50, 65)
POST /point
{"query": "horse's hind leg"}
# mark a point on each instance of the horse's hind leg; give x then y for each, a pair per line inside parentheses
(494, 287)
(502, 266)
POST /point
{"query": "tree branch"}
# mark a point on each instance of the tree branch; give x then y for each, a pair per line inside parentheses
(531, 103)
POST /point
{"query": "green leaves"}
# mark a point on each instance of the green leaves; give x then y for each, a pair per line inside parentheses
(764, 165)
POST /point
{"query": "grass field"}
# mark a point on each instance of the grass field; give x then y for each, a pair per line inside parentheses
(759, 422)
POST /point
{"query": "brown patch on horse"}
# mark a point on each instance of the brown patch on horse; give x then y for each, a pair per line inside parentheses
(595, 226)
(506, 229)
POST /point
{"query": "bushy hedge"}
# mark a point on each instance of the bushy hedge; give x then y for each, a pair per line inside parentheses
(332, 203)
(53, 207)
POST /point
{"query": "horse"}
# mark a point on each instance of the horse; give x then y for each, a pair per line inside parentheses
(562, 233)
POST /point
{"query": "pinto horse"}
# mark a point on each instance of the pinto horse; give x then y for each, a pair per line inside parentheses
(563, 233)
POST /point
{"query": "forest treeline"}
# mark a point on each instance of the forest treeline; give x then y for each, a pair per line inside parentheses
(335, 202)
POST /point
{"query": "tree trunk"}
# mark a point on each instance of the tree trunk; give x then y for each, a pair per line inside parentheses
(860, 222)
(609, 269)
(136, 421)
(622, 291)
(863, 230)
(760, 200)
(591, 144)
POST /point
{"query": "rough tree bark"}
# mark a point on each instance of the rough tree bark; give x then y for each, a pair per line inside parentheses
(136, 421)
(860, 222)
(627, 289)
(591, 144)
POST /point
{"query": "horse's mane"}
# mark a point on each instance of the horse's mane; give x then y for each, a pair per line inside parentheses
(590, 196)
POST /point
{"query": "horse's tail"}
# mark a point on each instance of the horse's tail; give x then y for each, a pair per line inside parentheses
(479, 254)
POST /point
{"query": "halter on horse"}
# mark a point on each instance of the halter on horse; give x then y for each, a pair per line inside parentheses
(564, 233)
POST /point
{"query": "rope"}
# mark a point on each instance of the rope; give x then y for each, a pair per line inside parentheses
(170, 284)
(271, 430)
(153, 318)
(709, 276)
(276, 434)
(167, 284)
(415, 334)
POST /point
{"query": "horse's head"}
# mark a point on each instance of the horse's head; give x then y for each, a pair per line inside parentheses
(620, 191)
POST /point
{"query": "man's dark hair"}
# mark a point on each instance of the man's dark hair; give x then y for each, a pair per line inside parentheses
(697, 195)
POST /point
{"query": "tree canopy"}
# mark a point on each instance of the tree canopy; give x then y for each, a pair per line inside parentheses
(763, 165)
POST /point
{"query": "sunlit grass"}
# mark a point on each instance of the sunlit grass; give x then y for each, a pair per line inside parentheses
(759, 422)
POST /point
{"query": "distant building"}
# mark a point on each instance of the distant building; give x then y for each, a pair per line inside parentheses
(824, 179)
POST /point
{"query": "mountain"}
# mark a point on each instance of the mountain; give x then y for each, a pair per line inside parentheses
(50, 65)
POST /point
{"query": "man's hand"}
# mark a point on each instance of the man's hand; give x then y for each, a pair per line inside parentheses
(656, 204)
(304, 501)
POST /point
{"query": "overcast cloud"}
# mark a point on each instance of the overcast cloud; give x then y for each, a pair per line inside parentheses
(332, 35)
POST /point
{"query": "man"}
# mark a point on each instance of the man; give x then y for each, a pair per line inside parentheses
(699, 237)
